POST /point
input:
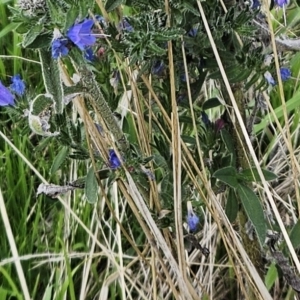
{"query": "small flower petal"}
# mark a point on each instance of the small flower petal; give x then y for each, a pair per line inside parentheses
(81, 34)
(281, 3)
(192, 219)
(89, 54)
(126, 26)
(114, 161)
(285, 74)
(254, 4)
(6, 97)
(18, 85)
(59, 48)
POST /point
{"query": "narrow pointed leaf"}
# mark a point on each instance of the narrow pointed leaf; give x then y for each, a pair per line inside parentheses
(211, 103)
(253, 210)
(91, 187)
(59, 159)
(252, 175)
(232, 206)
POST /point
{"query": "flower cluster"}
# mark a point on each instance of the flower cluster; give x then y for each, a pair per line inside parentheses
(192, 219)
(114, 161)
(281, 3)
(80, 34)
(285, 74)
(7, 94)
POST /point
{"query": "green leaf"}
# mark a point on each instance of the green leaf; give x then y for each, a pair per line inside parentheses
(240, 76)
(112, 4)
(227, 139)
(91, 187)
(59, 159)
(211, 103)
(31, 35)
(227, 175)
(253, 79)
(250, 175)
(188, 139)
(295, 235)
(254, 211)
(71, 16)
(55, 11)
(41, 41)
(8, 28)
(271, 276)
(232, 206)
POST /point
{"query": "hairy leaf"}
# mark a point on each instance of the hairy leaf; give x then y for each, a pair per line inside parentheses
(252, 175)
(91, 186)
(59, 159)
(227, 175)
(254, 211)
(232, 206)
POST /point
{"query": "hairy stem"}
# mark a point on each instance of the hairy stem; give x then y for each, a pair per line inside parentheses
(91, 85)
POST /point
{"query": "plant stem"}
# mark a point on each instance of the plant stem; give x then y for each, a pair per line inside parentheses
(91, 85)
(252, 247)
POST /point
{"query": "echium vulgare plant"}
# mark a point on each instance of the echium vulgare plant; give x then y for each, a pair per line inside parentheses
(124, 87)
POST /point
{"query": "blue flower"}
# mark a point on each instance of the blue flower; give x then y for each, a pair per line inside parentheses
(192, 219)
(158, 67)
(114, 161)
(285, 74)
(281, 3)
(18, 85)
(59, 48)
(81, 34)
(254, 4)
(6, 97)
(126, 26)
(89, 54)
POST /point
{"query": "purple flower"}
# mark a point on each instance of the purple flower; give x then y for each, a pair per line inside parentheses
(254, 4)
(192, 219)
(89, 54)
(59, 48)
(114, 161)
(81, 34)
(285, 74)
(18, 85)
(126, 26)
(219, 124)
(281, 3)
(6, 97)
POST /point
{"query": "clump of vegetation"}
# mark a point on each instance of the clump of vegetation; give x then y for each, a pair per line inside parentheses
(149, 150)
